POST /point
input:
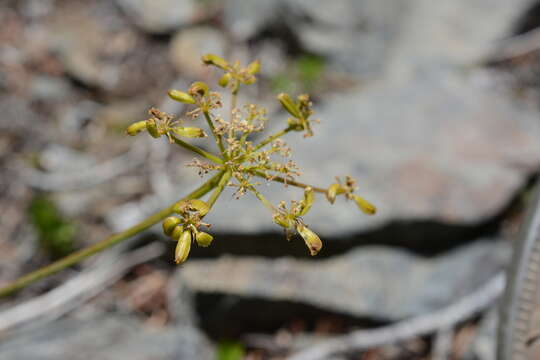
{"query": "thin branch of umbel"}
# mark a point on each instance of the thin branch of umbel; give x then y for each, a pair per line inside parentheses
(237, 162)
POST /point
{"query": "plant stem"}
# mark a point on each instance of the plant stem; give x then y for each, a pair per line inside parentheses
(213, 129)
(104, 244)
(287, 182)
(272, 138)
(219, 188)
(197, 150)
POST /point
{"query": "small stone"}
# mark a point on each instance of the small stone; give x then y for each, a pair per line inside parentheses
(160, 16)
(105, 337)
(188, 45)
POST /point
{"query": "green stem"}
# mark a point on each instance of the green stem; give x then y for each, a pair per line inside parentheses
(213, 129)
(197, 150)
(104, 244)
(271, 138)
(287, 182)
(219, 188)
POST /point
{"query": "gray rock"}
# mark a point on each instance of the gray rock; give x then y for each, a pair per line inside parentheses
(48, 88)
(441, 145)
(188, 45)
(375, 282)
(160, 16)
(105, 337)
(245, 19)
(451, 31)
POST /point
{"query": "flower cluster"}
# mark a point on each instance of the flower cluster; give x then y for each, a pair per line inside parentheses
(241, 160)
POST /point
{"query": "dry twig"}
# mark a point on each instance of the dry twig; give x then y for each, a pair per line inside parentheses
(406, 329)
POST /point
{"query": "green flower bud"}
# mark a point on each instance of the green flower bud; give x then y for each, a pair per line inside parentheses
(250, 80)
(254, 67)
(191, 132)
(181, 96)
(224, 80)
(169, 224)
(307, 202)
(198, 87)
(289, 105)
(211, 59)
(177, 232)
(203, 239)
(312, 240)
(136, 128)
(365, 205)
(200, 206)
(183, 247)
(152, 128)
(281, 220)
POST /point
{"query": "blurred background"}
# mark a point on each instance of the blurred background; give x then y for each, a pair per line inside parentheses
(431, 105)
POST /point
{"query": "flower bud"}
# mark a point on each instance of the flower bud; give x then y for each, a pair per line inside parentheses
(181, 96)
(136, 128)
(307, 202)
(281, 220)
(224, 80)
(312, 240)
(365, 205)
(254, 67)
(190, 132)
(289, 105)
(169, 224)
(152, 128)
(198, 87)
(183, 247)
(200, 206)
(211, 59)
(177, 232)
(203, 239)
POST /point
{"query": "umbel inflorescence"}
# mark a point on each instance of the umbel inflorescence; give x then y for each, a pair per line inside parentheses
(240, 162)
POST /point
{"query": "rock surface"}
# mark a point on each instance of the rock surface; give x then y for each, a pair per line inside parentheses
(160, 16)
(106, 337)
(373, 282)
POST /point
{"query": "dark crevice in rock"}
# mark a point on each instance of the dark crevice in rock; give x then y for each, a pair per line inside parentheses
(227, 316)
(423, 237)
(529, 20)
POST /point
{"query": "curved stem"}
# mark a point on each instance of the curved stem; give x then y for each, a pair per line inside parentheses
(219, 188)
(287, 182)
(213, 129)
(271, 138)
(197, 150)
(104, 244)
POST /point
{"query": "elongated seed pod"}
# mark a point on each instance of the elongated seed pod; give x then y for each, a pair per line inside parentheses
(307, 202)
(190, 132)
(365, 205)
(212, 59)
(183, 247)
(312, 240)
(289, 105)
(181, 96)
(136, 128)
